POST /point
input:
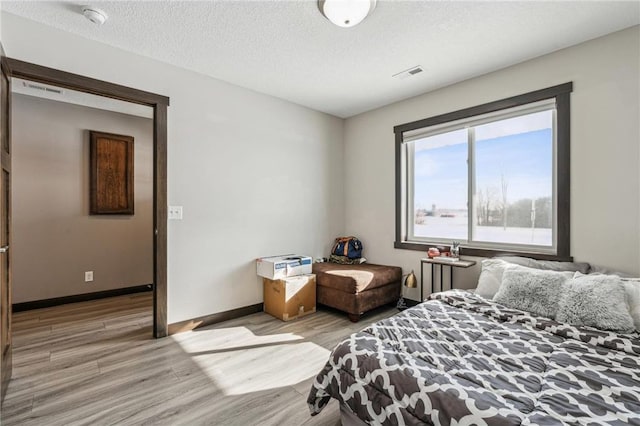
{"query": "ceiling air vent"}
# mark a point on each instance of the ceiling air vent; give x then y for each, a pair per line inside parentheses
(42, 88)
(409, 73)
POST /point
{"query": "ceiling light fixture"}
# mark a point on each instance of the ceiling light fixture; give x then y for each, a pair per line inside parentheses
(94, 14)
(346, 13)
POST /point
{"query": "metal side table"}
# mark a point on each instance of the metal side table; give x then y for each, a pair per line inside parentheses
(438, 262)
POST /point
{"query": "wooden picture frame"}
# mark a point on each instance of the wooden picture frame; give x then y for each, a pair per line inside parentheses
(110, 174)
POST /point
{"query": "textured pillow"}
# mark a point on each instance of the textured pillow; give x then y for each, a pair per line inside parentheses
(548, 265)
(632, 287)
(598, 301)
(491, 277)
(532, 290)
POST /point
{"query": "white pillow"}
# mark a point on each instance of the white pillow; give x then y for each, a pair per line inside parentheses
(632, 285)
(491, 277)
(632, 288)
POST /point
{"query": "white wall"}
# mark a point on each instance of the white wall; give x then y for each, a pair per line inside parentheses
(256, 175)
(605, 155)
(55, 240)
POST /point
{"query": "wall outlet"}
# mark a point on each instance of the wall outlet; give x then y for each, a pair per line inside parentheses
(88, 276)
(175, 212)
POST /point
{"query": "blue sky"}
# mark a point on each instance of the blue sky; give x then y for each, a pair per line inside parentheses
(524, 158)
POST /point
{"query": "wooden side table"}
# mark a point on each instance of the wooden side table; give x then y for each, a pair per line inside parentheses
(438, 262)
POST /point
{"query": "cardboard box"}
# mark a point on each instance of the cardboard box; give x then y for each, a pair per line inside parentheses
(288, 265)
(290, 298)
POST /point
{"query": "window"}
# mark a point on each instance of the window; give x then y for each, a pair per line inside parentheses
(494, 177)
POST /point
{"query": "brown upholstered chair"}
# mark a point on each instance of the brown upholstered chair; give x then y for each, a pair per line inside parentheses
(356, 289)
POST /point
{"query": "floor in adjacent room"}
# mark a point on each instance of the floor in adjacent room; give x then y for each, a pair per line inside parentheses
(96, 363)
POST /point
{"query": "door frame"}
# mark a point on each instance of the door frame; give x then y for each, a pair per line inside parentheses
(6, 361)
(159, 103)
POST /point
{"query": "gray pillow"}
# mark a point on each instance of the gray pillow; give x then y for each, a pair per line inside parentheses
(532, 290)
(632, 287)
(595, 269)
(598, 301)
(548, 265)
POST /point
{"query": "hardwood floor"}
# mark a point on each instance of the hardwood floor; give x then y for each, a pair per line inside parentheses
(95, 363)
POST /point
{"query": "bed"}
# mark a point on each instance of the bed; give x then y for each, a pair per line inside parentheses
(463, 359)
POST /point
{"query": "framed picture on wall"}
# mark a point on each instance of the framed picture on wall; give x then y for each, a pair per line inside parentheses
(110, 174)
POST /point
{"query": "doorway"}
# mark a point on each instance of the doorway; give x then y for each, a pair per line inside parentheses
(62, 251)
(13, 68)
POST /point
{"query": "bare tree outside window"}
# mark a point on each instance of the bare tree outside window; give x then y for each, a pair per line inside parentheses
(504, 185)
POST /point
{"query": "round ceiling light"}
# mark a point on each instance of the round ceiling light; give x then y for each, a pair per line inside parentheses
(94, 14)
(346, 13)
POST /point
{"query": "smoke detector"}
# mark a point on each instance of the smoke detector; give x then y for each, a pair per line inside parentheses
(94, 14)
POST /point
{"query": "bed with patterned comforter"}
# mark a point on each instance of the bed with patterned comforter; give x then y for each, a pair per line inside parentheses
(461, 359)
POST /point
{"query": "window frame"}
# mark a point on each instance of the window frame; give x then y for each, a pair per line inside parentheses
(561, 95)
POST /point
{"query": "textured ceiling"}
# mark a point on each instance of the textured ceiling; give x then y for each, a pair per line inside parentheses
(289, 50)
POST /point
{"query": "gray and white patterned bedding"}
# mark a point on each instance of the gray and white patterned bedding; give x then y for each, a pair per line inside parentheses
(460, 359)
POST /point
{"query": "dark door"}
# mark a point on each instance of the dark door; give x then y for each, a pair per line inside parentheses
(5, 226)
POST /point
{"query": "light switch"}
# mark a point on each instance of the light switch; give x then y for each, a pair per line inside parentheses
(175, 212)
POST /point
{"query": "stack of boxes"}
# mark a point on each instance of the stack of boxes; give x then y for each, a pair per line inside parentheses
(289, 286)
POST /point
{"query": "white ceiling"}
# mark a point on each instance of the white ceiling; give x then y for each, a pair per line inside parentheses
(289, 50)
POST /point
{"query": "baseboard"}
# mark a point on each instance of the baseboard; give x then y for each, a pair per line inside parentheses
(47, 303)
(192, 324)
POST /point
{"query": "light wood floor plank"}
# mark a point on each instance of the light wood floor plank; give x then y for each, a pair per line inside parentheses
(95, 363)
